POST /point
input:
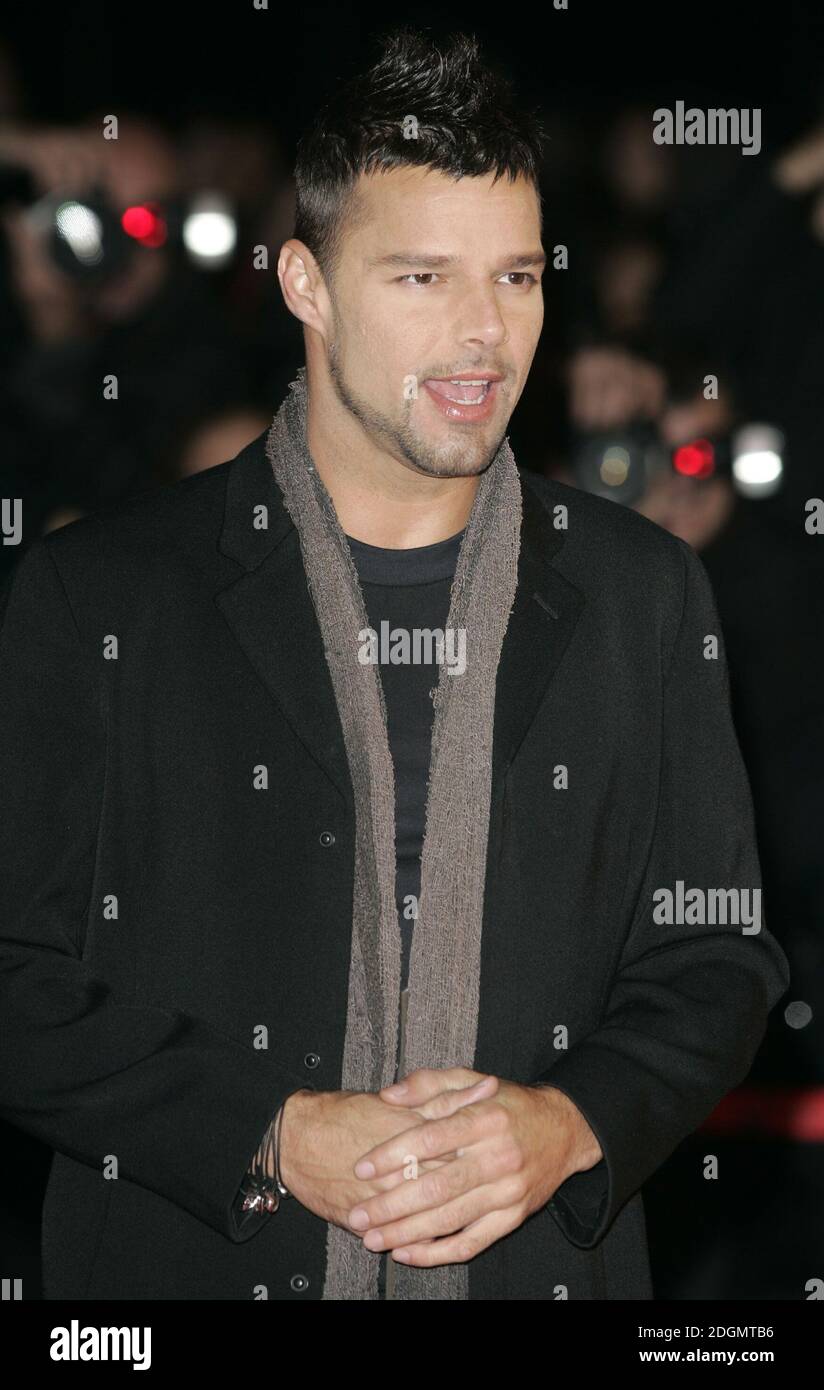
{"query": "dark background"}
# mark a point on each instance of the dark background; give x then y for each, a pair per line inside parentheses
(736, 273)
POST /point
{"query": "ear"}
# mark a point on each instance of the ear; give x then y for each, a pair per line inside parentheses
(303, 287)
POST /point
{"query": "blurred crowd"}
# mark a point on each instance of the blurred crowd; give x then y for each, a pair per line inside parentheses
(683, 267)
(196, 345)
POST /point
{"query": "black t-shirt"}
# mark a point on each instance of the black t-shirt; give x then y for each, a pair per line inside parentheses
(408, 589)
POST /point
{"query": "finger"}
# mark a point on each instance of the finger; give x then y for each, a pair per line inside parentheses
(420, 1192)
(436, 1222)
(458, 1248)
(447, 1102)
(431, 1139)
(425, 1082)
(392, 1180)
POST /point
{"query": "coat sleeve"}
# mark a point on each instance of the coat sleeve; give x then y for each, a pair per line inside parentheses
(180, 1103)
(688, 1004)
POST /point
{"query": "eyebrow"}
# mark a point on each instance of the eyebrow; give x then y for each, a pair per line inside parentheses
(402, 258)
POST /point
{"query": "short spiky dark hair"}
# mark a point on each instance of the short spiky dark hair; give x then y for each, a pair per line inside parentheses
(467, 125)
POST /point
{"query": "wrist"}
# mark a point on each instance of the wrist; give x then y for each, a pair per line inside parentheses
(582, 1149)
(293, 1115)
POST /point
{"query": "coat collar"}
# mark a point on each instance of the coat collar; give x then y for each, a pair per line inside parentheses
(270, 612)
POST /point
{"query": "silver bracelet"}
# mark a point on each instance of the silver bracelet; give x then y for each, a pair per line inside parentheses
(262, 1192)
(282, 1189)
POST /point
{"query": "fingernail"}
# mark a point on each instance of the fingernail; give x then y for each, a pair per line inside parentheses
(359, 1218)
(364, 1169)
(399, 1089)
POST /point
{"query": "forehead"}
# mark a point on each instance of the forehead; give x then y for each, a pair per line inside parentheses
(450, 213)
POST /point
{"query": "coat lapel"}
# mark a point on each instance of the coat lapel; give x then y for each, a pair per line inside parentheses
(543, 618)
(270, 611)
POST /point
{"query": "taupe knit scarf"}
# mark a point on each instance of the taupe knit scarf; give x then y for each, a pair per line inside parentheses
(444, 967)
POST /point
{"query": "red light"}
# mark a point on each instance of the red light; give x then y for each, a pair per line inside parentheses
(144, 223)
(695, 460)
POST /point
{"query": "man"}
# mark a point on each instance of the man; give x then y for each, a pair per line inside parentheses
(254, 870)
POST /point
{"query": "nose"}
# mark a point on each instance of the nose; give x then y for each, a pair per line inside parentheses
(480, 322)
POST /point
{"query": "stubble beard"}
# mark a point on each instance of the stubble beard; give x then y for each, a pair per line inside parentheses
(456, 459)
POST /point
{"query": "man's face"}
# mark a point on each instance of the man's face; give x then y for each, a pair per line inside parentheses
(437, 278)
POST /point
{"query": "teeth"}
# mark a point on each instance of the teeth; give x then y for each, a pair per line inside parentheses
(468, 393)
(459, 400)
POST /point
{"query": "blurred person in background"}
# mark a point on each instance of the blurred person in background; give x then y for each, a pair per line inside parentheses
(153, 323)
(244, 160)
(742, 299)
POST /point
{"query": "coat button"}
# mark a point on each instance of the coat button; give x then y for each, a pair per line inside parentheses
(327, 838)
(311, 1060)
(299, 1283)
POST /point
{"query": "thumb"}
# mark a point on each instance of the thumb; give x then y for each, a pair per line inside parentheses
(424, 1083)
(447, 1102)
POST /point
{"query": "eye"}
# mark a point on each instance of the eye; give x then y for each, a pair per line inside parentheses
(530, 279)
(417, 275)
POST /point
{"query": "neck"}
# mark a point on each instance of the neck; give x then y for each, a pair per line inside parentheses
(379, 499)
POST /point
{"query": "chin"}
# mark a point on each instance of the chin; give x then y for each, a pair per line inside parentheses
(461, 470)
(466, 464)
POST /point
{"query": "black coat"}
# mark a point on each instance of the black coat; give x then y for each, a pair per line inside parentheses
(130, 780)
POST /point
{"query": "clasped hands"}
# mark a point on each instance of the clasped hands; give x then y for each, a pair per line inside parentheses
(493, 1152)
